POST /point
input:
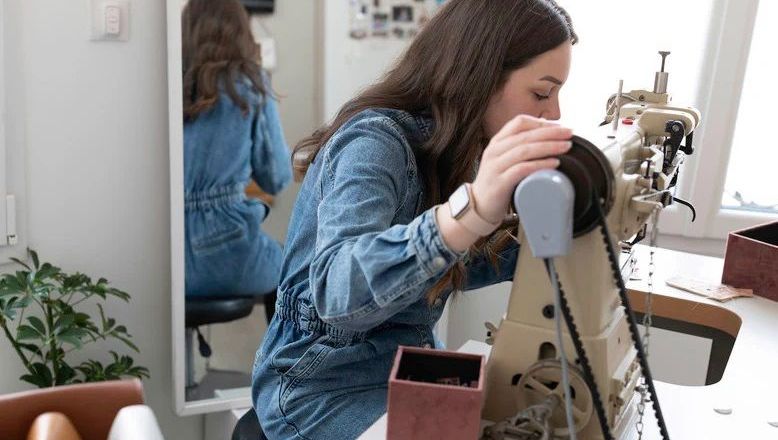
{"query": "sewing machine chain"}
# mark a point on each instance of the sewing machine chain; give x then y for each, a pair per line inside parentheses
(631, 322)
(647, 318)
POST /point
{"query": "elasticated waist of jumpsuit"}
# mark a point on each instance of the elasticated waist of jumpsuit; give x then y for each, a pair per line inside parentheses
(215, 197)
(304, 315)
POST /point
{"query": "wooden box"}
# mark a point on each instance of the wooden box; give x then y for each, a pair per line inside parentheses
(751, 260)
(435, 394)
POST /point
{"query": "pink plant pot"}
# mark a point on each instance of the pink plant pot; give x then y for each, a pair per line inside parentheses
(435, 394)
(751, 260)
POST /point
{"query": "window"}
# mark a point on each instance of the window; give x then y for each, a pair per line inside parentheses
(729, 106)
(712, 43)
(620, 42)
(752, 181)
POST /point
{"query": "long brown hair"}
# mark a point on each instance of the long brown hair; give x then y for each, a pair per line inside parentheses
(217, 48)
(461, 58)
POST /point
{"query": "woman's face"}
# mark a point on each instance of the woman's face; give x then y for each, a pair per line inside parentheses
(532, 90)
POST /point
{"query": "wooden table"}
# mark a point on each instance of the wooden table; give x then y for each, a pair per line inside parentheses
(749, 386)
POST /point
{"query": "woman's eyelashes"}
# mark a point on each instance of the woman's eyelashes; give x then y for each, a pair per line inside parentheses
(540, 96)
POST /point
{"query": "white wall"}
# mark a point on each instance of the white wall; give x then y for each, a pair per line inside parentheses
(91, 119)
(350, 65)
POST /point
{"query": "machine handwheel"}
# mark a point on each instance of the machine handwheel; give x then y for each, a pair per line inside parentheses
(544, 378)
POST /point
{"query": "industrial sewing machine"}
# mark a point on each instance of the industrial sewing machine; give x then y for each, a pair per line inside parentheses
(606, 189)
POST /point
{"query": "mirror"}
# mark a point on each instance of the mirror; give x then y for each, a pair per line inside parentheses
(228, 217)
(231, 183)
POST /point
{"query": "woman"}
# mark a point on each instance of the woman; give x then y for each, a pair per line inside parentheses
(232, 133)
(383, 231)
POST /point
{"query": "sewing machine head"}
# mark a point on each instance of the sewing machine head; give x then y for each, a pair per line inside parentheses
(631, 161)
(615, 177)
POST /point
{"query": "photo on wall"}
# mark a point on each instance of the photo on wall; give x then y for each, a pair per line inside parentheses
(398, 19)
(402, 14)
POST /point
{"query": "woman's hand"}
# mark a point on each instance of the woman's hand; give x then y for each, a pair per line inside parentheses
(524, 145)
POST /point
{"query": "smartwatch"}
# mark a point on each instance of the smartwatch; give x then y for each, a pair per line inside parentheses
(462, 206)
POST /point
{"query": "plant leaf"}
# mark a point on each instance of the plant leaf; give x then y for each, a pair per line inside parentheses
(81, 318)
(13, 284)
(21, 263)
(32, 348)
(102, 315)
(5, 288)
(121, 329)
(8, 308)
(126, 341)
(23, 302)
(72, 340)
(47, 271)
(34, 256)
(37, 324)
(73, 336)
(65, 374)
(119, 294)
(35, 380)
(27, 332)
(64, 322)
(40, 376)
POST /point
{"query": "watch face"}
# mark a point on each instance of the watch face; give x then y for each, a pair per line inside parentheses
(459, 201)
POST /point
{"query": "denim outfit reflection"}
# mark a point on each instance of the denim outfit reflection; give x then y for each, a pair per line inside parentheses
(360, 256)
(226, 251)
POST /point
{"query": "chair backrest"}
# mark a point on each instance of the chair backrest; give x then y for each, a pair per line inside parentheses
(91, 407)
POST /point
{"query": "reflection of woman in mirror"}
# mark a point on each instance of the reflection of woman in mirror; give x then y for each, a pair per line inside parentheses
(383, 230)
(232, 133)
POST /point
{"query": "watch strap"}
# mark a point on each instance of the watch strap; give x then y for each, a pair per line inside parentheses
(472, 221)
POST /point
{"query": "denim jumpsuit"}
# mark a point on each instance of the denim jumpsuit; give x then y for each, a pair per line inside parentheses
(226, 252)
(360, 256)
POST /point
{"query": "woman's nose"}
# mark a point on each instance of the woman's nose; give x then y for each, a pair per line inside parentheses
(552, 112)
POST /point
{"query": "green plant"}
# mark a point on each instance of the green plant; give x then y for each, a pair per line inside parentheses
(54, 327)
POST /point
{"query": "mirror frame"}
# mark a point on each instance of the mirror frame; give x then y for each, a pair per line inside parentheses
(176, 139)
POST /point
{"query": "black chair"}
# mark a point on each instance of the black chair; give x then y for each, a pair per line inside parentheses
(215, 310)
(248, 428)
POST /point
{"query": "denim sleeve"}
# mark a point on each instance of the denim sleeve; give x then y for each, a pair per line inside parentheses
(481, 272)
(271, 165)
(365, 269)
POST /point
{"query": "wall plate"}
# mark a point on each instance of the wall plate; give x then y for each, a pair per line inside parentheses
(110, 20)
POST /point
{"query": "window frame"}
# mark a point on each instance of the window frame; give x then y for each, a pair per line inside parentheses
(12, 138)
(3, 153)
(719, 93)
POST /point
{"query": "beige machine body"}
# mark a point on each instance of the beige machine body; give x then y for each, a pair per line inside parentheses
(525, 336)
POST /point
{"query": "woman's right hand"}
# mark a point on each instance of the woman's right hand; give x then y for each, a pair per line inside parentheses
(524, 145)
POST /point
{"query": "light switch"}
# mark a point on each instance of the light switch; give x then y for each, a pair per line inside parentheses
(10, 221)
(113, 19)
(110, 20)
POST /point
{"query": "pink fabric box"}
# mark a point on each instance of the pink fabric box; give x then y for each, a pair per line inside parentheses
(751, 260)
(435, 394)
